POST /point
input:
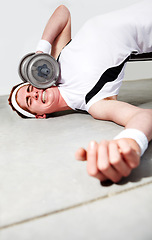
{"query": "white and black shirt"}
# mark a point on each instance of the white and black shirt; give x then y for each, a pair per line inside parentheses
(92, 64)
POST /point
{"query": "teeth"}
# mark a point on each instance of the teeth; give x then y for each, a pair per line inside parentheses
(43, 97)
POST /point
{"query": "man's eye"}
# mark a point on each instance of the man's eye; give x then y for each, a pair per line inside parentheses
(29, 101)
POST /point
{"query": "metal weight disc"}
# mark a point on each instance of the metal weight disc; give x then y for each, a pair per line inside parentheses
(22, 67)
(42, 70)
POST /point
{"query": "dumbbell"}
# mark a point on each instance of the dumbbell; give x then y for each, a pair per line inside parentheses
(41, 70)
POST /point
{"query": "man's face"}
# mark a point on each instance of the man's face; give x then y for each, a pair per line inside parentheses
(37, 101)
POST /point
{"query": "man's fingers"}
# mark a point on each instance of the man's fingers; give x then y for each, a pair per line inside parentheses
(92, 158)
(131, 157)
(104, 164)
(81, 154)
(117, 161)
(92, 155)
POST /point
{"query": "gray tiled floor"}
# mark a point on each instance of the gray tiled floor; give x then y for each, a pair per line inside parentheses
(46, 194)
(123, 216)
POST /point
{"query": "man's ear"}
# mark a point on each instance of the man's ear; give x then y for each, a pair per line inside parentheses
(40, 116)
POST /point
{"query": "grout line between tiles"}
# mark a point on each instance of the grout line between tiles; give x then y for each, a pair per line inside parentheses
(73, 207)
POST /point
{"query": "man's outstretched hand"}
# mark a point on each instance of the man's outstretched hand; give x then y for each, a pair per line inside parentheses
(110, 160)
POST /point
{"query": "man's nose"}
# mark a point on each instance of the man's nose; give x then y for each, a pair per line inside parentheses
(34, 94)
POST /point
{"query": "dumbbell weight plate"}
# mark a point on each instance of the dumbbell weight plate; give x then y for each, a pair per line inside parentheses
(42, 70)
(22, 67)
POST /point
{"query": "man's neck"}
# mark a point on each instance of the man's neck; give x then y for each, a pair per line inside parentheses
(61, 105)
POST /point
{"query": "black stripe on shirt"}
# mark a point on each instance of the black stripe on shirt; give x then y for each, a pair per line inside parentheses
(109, 75)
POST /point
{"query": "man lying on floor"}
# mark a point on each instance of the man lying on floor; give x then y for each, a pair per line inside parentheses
(91, 71)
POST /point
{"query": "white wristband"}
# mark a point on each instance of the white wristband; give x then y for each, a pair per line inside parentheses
(44, 46)
(137, 135)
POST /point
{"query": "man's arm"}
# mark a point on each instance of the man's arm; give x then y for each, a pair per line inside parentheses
(124, 114)
(58, 30)
(116, 158)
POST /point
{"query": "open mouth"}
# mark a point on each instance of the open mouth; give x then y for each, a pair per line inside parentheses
(43, 96)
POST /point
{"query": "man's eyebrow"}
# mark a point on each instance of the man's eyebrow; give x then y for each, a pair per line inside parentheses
(28, 88)
(27, 101)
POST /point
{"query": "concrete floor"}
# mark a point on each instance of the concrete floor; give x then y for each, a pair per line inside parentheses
(46, 194)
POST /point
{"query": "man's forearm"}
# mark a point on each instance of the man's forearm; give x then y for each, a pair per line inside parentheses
(138, 130)
(137, 121)
(124, 114)
(142, 121)
(56, 24)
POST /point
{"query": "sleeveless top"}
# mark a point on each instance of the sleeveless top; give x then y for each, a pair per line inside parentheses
(92, 64)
